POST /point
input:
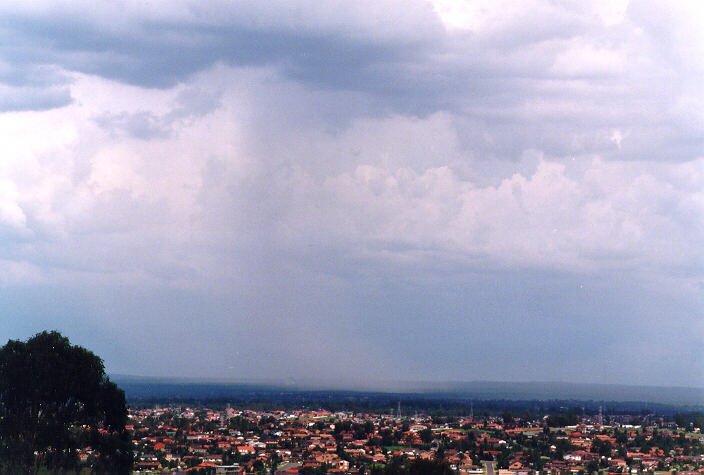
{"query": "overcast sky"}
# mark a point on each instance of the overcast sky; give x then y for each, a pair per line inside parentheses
(358, 191)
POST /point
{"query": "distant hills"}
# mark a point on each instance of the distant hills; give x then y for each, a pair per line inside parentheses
(137, 387)
(568, 391)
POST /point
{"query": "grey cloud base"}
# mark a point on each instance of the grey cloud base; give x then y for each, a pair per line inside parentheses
(511, 194)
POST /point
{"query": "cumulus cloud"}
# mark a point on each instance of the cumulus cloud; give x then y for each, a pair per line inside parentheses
(606, 215)
(296, 172)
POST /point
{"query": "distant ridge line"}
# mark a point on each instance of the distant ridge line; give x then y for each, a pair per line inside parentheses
(481, 390)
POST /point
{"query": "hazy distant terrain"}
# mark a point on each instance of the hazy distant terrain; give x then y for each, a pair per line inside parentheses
(155, 388)
(556, 390)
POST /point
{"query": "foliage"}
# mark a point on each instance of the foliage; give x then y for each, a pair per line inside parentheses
(242, 424)
(426, 435)
(592, 466)
(53, 397)
(398, 465)
(690, 421)
(308, 470)
(601, 447)
(562, 420)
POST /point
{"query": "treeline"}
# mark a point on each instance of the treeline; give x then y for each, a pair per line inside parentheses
(690, 420)
(562, 412)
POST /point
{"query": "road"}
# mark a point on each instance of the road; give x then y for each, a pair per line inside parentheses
(489, 465)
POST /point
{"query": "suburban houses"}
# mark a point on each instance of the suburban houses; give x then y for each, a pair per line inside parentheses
(225, 440)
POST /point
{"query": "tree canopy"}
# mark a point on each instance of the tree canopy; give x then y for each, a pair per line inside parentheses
(54, 399)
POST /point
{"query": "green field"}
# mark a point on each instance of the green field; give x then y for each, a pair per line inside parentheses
(394, 448)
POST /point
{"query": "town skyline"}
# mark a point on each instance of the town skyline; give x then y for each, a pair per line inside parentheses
(318, 440)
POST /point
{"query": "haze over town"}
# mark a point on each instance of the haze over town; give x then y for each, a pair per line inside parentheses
(358, 191)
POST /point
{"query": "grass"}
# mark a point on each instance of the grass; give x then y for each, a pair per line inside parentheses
(394, 448)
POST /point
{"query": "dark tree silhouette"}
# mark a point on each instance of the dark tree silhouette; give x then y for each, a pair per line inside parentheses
(55, 398)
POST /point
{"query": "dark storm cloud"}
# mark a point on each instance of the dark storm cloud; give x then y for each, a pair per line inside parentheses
(29, 98)
(418, 69)
(289, 183)
(551, 78)
(152, 53)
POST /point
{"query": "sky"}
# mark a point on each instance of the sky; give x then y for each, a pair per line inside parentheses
(356, 192)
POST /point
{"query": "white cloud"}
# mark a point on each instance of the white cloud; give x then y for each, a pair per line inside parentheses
(609, 216)
(356, 143)
(395, 183)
